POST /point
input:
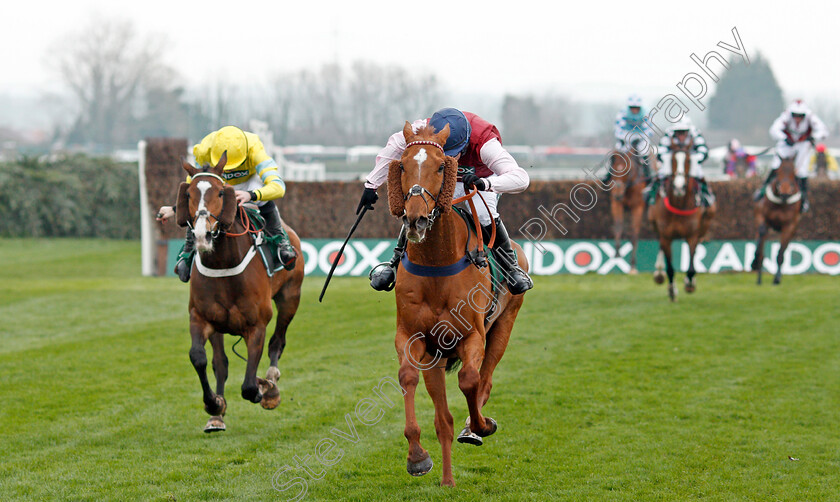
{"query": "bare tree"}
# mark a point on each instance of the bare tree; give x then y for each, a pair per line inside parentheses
(106, 65)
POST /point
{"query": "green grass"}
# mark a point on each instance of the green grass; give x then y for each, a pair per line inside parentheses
(607, 391)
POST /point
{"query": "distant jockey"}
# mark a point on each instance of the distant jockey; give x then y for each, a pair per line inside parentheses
(631, 129)
(795, 131)
(734, 153)
(680, 134)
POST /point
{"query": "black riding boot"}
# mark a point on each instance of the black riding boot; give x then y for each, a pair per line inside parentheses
(183, 266)
(760, 192)
(274, 226)
(517, 279)
(803, 188)
(706, 196)
(384, 276)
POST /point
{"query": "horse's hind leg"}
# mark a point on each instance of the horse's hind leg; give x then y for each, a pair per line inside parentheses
(435, 379)
(471, 352)
(410, 356)
(220, 369)
(287, 301)
(199, 332)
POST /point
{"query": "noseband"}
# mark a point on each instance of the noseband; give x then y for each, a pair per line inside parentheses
(216, 230)
(420, 191)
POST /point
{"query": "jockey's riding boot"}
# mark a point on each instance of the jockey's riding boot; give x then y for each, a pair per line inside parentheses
(707, 198)
(607, 177)
(651, 190)
(803, 187)
(274, 226)
(760, 192)
(517, 279)
(184, 264)
(383, 277)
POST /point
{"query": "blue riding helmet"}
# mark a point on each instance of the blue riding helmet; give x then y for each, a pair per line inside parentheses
(459, 129)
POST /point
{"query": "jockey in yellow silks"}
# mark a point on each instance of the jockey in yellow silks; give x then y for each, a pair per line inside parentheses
(254, 176)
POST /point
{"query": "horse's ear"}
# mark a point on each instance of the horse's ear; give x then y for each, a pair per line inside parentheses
(218, 168)
(188, 167)
(408, 132)
(450, 177)
(229, 204)
(442, 135)
(182, 206)
(396, 197)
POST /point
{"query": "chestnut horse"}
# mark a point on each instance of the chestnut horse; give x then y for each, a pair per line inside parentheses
(626, 195)
(230, 291)
(779, 209)
(446, 310)
(678, 214)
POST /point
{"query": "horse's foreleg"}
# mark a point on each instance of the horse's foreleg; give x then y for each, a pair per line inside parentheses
(255, 341)
(637, 214)
(758, 261)
(435, 379)
(665, 246)
(199, 332)
(785, 237)
(690, 283)
(411, 352)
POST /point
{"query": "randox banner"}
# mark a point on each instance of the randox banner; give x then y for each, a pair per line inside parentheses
(583, 256)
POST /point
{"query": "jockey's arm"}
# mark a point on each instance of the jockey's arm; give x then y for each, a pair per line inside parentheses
(393, 151)
(700, 148)
(507, 176)
(777, 130)
(266, 168)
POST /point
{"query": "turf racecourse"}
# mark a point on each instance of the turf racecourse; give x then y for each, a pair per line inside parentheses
(607, 392)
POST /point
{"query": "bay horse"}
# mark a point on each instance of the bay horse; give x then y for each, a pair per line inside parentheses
(626, 195)
(231, 292)
(779, 209)
(678, 214)
(446, 310)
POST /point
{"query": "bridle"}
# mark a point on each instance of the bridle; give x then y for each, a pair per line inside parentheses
(216, 231)
(417, 190)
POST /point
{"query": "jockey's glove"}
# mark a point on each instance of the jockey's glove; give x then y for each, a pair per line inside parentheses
(369, 198)
(471, 180)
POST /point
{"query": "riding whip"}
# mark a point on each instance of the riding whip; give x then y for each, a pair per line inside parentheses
(341, 252)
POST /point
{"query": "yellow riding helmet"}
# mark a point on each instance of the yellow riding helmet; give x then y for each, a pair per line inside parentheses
(232, 140)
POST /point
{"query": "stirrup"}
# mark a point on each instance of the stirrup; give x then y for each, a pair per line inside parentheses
(289, 261)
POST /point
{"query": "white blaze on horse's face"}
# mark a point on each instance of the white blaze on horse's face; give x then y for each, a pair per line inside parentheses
(202, 241)
(679, 176)
(420, 158)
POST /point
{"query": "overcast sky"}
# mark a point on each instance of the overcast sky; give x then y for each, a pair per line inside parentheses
(587, 49)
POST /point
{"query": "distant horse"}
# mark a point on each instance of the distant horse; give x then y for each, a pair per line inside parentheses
(779, 209)
(446, 310)
(678, 214)
(230, 291)
(627, 195)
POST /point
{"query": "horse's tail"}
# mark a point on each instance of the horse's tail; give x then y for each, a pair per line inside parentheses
(452, 364)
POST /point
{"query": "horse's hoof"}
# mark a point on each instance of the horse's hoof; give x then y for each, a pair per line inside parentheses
(634, 271)
(690, 286)
(218, 408)
(273, 374)
(420, 468)
(469, 437)
(659, 277)
(215, 424)
(777, 280)
(270, 394)
(672, 292)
